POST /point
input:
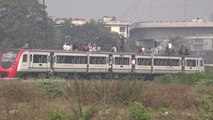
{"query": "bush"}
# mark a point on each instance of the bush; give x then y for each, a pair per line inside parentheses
(75, 95)
(190, 79)
(206, 109)
(139, 112)
(165, 79)
(59, 115)
(125, 91)
(50, 89)
(182, 78)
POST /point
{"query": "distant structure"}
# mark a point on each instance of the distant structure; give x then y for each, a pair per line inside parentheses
(120, 27)
(198, 33)
(58, 21)
(78, 21)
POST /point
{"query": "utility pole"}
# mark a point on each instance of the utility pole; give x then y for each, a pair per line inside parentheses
(185, 10)
(45, 24)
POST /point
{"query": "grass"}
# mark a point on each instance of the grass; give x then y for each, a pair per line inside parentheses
(104, 100)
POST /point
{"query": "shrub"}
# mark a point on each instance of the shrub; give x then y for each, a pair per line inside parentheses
(190, 79)
(59, 115)
(165, 79)
(50, 89)
(139, 112)
(75, 96)
(206, 109)
(125, 91)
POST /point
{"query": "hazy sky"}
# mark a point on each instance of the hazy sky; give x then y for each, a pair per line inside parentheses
(134, 10)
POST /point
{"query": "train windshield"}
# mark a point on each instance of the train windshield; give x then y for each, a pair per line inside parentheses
(8, 58)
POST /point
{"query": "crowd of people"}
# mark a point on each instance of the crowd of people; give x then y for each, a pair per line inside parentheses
(169, 50)
(81, 47)
(85, 47)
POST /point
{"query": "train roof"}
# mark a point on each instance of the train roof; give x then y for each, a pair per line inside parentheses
(96, 52)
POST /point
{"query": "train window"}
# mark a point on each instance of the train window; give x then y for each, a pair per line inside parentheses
(201, 62)
(83, 60)
(67, 59)
(148, 61)
(24, 58)
(156, 61)
(174, 62)
(30, 57)
(191, 63)
(8, 58)
(77, 60)
(166, 62)
(40, 59)
(144, 61)
(121, 61)
(98, 60)
(72, 59)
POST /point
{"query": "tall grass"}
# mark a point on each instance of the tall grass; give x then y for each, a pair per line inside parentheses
(105, 99)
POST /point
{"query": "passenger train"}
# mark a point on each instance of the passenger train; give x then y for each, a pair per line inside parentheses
(24, 63)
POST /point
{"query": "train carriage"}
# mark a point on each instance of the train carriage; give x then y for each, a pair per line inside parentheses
(42, 63)
(70, 62)
(166, 64)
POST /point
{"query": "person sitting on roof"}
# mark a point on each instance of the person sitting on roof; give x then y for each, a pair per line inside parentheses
(67, 47)
(27, 45)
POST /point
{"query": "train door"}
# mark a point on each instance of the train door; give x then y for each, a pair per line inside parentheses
(25, 61)
(191, 65)
(201, 65)
(197, 65)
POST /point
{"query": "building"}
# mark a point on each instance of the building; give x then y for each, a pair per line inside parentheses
(197, 34)
(120, 27)
(78, 21)
(58, 21)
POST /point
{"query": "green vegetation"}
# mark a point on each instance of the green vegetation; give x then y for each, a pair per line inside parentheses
(55, 99)
(182, 78)
(23, 20)
(139, 112)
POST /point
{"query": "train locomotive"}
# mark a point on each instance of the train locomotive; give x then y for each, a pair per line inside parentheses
(24, 63)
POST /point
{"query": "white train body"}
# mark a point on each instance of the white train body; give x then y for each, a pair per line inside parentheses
(97, 64)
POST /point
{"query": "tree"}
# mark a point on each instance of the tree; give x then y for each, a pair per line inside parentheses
(21, 21)
(92, 32)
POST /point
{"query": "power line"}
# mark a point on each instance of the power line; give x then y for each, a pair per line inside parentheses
(131, 11)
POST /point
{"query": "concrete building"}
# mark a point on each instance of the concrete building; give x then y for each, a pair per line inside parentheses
(198, 34)
(58, 21)
(120, 27)
(78, 21)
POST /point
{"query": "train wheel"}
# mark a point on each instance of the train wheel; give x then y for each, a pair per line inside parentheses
(131, 76)
(109, 76)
